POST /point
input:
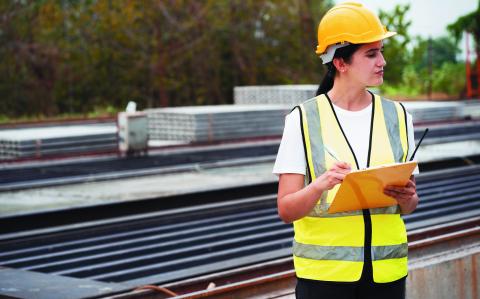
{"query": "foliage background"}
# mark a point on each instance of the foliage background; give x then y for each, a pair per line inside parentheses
(77, 56)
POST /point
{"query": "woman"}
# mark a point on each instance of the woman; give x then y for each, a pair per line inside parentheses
(357, 254)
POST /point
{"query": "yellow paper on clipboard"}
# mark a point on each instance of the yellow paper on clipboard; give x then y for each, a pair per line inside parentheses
(363, 189)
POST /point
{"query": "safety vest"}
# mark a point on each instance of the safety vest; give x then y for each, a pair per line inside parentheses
(330, 247)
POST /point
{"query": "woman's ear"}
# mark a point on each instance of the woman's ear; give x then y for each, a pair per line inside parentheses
(339, 64)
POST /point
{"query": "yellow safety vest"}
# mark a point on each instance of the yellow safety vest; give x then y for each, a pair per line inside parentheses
(330, 247)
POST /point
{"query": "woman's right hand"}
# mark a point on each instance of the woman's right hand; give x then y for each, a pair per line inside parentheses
(296, 201)
(333, 176)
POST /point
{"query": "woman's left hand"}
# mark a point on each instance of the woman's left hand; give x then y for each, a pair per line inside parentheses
(406, 196)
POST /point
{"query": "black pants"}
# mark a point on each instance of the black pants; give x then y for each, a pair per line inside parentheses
(312, 289)
(365, 288)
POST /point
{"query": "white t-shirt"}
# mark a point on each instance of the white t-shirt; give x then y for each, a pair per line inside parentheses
(356, 126)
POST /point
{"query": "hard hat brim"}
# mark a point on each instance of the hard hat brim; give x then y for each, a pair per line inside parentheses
(322, 50)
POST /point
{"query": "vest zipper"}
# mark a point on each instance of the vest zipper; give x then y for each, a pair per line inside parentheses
(367, 272)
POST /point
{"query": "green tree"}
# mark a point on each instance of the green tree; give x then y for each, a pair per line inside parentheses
(437, 50)
(449, 78)
(27, 62)
(65, 56)
(395, 49)
(430, 59)
(468, 23)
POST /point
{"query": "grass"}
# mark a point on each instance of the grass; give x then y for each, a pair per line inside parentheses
(99, 112)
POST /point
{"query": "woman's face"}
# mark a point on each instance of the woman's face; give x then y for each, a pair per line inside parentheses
(366, 65)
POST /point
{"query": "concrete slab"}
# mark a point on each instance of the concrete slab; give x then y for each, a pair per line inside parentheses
(460, 149)
(25, 201)
(134, 188)
(449, 268)
(25, 284)
(57, 132)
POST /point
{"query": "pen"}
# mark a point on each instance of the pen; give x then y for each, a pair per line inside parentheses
(418, 145)
(331, 152)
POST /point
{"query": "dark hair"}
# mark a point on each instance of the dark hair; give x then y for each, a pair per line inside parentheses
(345, 53)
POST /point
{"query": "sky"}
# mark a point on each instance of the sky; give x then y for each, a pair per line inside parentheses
(429, 17)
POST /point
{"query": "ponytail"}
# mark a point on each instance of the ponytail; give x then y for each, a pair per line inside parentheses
(327, 82)
(346, 54)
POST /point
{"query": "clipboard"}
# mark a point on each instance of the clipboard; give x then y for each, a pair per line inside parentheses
(363, 189)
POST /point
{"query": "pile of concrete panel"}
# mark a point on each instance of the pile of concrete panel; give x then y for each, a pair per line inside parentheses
(471, 109)
(434, 111)
(56, 140)
(422, 111)
(277, 94)
(215, 123)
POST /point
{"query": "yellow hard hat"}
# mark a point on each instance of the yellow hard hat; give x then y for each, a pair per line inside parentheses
(349, 22)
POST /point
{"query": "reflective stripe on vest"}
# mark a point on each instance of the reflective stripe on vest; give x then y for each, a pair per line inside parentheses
(323, 240)
(348, 253)
(320, 210)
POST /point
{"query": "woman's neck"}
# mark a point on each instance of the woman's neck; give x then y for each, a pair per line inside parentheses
(349, 97)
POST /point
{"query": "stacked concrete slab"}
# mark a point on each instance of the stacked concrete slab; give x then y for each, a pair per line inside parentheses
(215, 123)
(278, 94)
(425, 111)
(258, 112)
(471, 109)
(422, 111)
(57, 140)
(434, 111)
